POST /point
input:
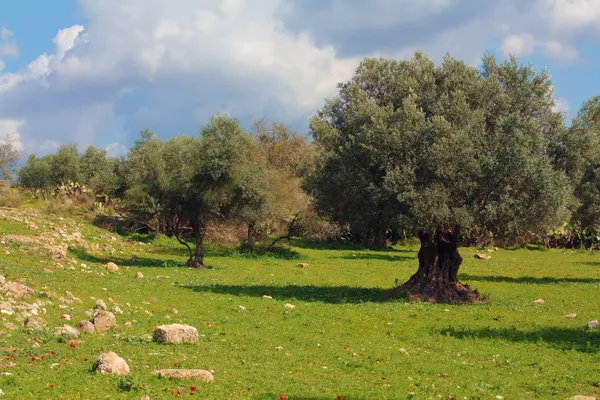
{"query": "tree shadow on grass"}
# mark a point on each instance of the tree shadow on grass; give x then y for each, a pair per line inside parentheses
(578, 339)
(546, 280)
(308, 244)
(125, 261)
(379, 257)
(310, 293)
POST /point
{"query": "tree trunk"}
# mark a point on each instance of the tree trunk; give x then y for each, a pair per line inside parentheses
(197, 259)
(251, 235)
(436, 279)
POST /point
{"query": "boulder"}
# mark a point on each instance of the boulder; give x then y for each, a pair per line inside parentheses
(303, 265)
(103, 320)
(86, 327)
(16, 290)
(593, 324)
(289, 306)
(482, 256)
(197, 374)
(35, 323)
(139, 275)
(111, 266)
(68, 331)
(175, 333)
(111, 363)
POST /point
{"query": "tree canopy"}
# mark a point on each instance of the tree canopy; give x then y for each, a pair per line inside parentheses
(439, 150)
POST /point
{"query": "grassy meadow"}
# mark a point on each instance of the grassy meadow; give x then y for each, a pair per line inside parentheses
(339, 340)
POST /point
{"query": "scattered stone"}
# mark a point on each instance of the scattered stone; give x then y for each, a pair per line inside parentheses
(16, 290)
(241, 307)
(100, 305)
(36, 345)
(175, 333)
(539, 301)
(403, 352)
(2, 278)
(68, 331)
(4, 306)
(59, 266)
(481, 256)
(10, 325)
(48, 271)
(111, 363)
(197, 374)
(267, 297)
(116, 309)
(86, 327)
(103, 320)
(578, 397)
(111, 266)
(128, 324)
(279, 348)
(139, 275)
(303, 265)
(66, 317)
(35, 323)
(593, 324)
(570, 316)
(289, 306)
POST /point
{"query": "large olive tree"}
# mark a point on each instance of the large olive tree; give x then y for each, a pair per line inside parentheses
(440, 150)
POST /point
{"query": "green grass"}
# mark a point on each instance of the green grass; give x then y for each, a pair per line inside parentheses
(339, 340)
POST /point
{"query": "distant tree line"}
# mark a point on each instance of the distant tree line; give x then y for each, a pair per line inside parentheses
(445, 153)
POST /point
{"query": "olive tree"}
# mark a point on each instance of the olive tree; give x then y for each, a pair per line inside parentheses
(440, 150)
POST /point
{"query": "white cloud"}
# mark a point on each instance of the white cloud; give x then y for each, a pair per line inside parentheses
(166, 66)
(518, 45)
(11, 128)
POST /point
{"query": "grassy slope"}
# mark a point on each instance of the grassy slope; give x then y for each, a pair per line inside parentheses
(339, 339)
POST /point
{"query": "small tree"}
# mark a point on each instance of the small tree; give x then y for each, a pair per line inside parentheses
(441, 150)
(9, 156)
(188, 182)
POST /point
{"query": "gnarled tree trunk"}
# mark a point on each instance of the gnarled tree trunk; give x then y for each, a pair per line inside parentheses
(197, 259)
(436, 279)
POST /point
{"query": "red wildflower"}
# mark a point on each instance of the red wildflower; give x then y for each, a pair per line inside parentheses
(52, 385)
(175, 364)
(85, 359)
(33, 358)
(34, 339)
(152, 311)
(42, 357)
(193, 388)
(208, 324)
(283, 397)
(53, 352)
(340, 398)
(73, 344)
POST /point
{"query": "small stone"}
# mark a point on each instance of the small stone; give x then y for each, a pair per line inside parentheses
(403, 351)
(241, 307)
(68, 331)
(593, 324)
(100, 305)
(289, 306)
(139, 275)
(4, 306)
(111, 266)
(103, 320)
(35, 345)
(279, 348)
(303, 265)
(570, 316)
(267, 297)
(175, 333)
(116, 310)
(579, 397)
(481, 256)
(48, 271)
(538, 301)
(66, 317)
(86, 327)
(35, 323)
(197, 374)
(111, 363)
(16, 290)
(128, 324)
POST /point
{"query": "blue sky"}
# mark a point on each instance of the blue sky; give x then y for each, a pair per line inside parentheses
(98, 72)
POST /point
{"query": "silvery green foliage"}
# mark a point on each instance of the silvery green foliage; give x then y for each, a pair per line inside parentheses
(422, 146)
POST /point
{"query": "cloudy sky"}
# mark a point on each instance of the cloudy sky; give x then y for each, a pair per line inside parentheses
(99, 71)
